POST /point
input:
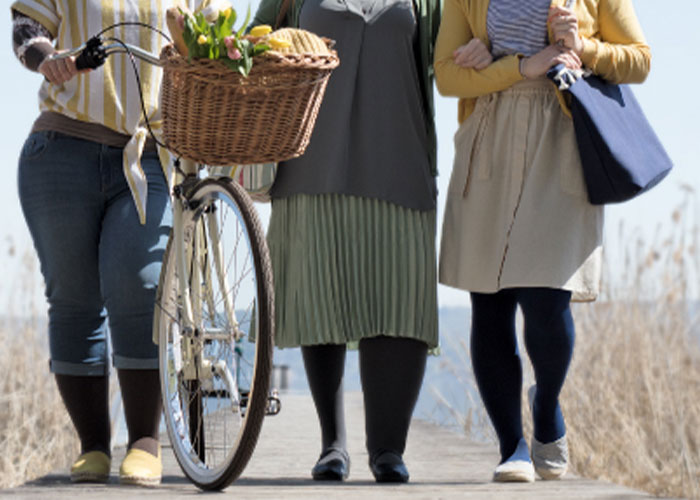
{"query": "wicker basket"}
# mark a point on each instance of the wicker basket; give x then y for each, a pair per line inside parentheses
(213, 115)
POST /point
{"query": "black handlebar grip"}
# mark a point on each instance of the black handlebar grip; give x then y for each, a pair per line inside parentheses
(93, 56)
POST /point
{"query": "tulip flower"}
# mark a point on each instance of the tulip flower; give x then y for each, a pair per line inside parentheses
(260, 30)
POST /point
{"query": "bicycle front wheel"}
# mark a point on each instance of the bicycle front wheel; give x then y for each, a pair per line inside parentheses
(214, 324)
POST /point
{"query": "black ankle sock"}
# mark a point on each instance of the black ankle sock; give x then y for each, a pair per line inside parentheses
(87, 402)
(142, 407)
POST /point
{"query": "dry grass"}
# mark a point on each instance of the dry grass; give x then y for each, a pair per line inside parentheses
(36, 435)
(631, 401)
(632, 396)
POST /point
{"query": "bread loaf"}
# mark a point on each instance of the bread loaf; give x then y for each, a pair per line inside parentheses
(300, 42)
(172, 18)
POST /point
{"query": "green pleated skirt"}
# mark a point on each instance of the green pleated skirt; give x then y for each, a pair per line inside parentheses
(347, 268)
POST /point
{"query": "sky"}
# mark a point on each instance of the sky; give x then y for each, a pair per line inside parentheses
(668, 97)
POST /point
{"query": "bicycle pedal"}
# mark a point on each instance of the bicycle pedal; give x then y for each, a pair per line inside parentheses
(274, 404)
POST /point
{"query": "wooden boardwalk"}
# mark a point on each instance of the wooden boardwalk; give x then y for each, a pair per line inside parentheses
(443, 465)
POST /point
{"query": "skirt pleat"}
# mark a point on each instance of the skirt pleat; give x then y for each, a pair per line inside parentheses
(348, 268)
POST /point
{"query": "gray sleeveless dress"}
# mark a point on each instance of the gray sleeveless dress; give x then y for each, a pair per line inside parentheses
(352, 230)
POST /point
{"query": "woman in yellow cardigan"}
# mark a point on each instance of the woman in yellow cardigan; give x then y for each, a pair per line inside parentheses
(518, 229)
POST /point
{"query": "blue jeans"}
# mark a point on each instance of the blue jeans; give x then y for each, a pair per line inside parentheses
(100, 265)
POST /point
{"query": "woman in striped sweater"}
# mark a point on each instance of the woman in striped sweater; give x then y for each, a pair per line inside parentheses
(518, 228)
(96, 201)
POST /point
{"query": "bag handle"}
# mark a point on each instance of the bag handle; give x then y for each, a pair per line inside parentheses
(286, 4)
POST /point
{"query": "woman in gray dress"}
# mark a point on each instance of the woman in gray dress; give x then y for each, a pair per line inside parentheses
(352, 230)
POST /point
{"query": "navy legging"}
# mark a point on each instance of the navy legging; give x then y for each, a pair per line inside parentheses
(549, 340)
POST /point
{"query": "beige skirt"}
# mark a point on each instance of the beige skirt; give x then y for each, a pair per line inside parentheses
(517, 213)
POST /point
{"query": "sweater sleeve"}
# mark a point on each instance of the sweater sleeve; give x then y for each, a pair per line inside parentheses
(619, 52)
(31, 41)
(266, 13)
(453, 80)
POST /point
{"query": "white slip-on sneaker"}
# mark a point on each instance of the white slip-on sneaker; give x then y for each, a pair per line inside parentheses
(517, 468)
(519, 471)
(551, 460)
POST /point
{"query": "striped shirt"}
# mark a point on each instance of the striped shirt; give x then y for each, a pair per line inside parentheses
(517, 26)
(107, 96)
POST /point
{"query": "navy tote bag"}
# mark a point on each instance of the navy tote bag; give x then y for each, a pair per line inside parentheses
(621, 155)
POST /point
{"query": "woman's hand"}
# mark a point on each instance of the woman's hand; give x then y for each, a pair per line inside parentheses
(473, 54)
(58, 71)
(564, 27)
(536, 66)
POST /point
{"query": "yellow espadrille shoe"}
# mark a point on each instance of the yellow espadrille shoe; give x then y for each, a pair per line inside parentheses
(91, 467)
(141, 468)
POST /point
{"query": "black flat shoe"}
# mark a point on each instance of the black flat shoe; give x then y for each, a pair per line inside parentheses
(388, 467)
(332, 465)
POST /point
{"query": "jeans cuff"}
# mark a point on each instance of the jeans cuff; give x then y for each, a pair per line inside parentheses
(78, 369)
(135, 363)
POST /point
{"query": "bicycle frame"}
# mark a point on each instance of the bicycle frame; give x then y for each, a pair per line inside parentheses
(191, 288)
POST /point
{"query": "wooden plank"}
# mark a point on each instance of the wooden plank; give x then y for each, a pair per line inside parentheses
(442, 465)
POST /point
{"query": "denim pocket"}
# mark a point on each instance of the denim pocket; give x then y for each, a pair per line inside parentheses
(35, 145)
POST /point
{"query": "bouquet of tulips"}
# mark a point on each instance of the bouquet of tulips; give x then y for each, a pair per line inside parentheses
(212, 36)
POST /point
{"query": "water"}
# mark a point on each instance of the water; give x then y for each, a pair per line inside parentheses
(447, 373)
(446, 377)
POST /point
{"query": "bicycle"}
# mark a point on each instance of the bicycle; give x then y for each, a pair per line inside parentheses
(214, 314)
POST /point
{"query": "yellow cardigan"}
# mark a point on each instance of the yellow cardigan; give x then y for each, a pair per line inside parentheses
(613, 47)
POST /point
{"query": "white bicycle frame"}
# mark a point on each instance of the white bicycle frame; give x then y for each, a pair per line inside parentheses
(195, 288)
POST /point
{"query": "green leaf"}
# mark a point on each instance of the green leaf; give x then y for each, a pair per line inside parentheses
(188, 33)
(233, 18)
(260, 48)
(241, 30)
(230, 22)
(202, 23)
(248, 63)
(213, 43)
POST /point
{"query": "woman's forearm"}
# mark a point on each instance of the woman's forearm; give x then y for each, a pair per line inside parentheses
(453, 80)
(31, 41)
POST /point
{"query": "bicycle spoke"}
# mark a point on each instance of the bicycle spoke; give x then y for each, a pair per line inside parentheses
(214, 379)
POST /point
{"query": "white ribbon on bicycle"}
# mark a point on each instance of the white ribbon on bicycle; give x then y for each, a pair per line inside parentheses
(133, 171)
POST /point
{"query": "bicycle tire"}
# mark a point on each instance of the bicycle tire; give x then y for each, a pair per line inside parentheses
(196, 443)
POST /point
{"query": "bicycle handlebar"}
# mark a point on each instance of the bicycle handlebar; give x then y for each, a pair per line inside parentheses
(93, 53)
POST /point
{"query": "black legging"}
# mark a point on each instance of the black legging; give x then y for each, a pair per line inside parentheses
(549, 340)
(392, 372)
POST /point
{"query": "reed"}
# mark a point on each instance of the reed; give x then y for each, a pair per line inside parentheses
(632, 398)
(36, 435)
